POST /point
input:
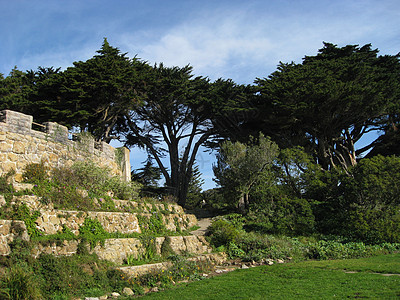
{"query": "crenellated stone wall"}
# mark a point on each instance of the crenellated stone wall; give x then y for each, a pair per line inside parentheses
(21, 145)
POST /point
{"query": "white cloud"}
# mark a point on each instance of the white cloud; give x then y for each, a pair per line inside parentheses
(244, 44)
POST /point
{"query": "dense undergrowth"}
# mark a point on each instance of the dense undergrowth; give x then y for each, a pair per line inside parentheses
(80, 275)
(83, 274)
(227, 234)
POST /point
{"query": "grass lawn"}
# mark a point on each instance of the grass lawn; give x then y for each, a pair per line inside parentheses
(305, 280)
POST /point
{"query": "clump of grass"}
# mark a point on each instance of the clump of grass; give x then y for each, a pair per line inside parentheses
(6, 188)
(19, 282)
(77, 187)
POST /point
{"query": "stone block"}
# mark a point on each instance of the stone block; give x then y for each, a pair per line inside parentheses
(5, 146)
(12, 157)
(4, 248)
(8, 166)
(5, 227)
(19, 147)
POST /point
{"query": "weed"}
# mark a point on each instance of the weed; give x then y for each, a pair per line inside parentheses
(18, 283)
(5, 187)
(22, 212)
(93, 232)
(35, 172)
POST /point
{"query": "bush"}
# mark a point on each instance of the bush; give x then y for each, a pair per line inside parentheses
(222, 232)
(22, 212)
(78, 186)
(282, 216)
(35, 172)
(93, 232)
(365, 205)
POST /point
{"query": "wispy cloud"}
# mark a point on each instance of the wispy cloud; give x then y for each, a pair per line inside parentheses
(229, 39)
(243, 43)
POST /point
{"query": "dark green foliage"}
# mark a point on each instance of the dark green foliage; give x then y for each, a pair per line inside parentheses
(20, 283)
(99, 92)
(92, 231)
(363, 206)
(166, 249)
(173, 120)
(77, 275)
(328, 102)
(240, 168)
(282, 216)
(6, 188)
(222, 232)
(194, 196)
(148, 175)
(22, 212)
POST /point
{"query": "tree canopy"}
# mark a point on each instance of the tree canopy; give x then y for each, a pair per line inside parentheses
(326, 105)
(328, 102)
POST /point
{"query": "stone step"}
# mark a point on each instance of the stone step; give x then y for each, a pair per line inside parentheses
(134, 271)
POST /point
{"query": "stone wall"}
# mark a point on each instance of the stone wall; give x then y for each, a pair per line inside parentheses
(52, 220)
(118, 250)
(21, 145)
(9, 231)
(134, 271)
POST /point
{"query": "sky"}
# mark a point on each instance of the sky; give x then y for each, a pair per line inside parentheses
(240, 40)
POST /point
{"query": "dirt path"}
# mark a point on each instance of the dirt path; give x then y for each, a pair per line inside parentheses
(204, 218)
(203, 223)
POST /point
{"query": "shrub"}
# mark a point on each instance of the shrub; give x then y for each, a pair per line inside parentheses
(78, 186)
(365, 205)
(5, 187)
(35, 172)
(166, 249)
(22, 212)
(282, 216)
(92, 231)
(222, 232)
(153, 225)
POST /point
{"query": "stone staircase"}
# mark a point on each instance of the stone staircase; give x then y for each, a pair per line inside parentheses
(125, 220)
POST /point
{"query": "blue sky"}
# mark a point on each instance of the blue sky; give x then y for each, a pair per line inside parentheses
(233, 39)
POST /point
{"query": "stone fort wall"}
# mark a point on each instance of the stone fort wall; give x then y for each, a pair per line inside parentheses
(54, 145)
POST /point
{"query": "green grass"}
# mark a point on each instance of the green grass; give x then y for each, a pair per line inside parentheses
(306, 280)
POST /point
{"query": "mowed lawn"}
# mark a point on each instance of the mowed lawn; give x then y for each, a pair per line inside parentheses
(334, 279)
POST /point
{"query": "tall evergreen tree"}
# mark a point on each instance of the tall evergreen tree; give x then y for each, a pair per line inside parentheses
(99, 92)
(329, 102)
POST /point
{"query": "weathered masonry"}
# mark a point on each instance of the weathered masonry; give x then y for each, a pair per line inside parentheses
(21, 145)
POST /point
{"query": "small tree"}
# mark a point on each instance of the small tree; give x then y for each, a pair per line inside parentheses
(240, 167)
(194, 195)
